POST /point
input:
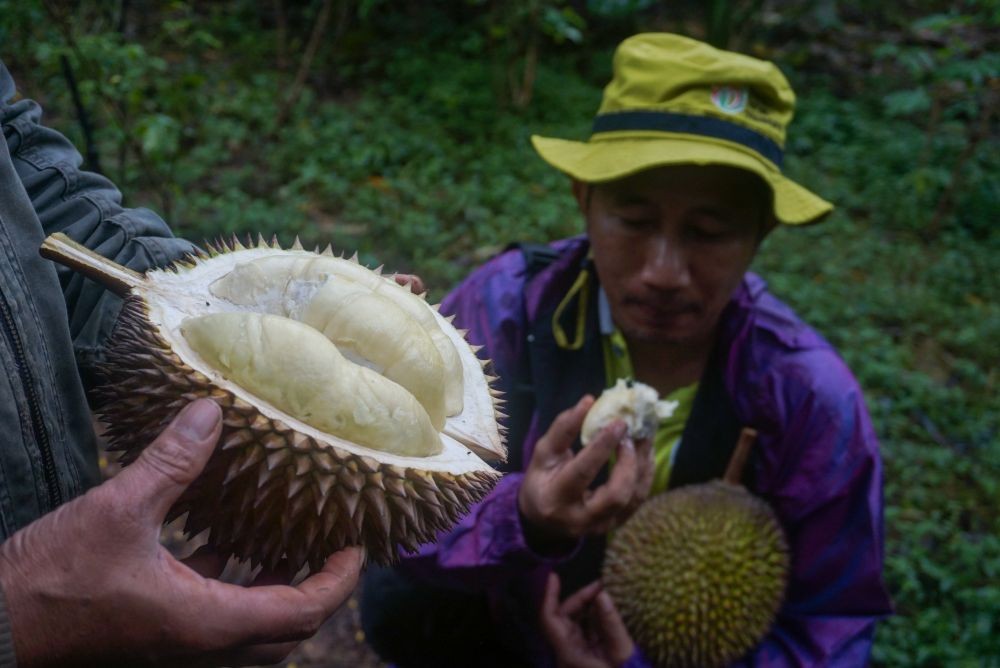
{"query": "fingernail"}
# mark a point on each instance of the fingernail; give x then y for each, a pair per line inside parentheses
(198, 419)
(618, 430)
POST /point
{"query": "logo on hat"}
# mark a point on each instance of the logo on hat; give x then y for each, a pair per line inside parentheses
(730, 99)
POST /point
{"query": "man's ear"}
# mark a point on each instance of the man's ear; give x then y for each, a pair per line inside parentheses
(581, 192)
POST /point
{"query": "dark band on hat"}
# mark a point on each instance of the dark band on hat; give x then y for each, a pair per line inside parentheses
(707, 126)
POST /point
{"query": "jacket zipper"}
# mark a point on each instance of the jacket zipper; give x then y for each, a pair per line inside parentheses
(37, 424)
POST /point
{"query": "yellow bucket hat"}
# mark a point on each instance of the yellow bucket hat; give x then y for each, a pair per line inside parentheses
(674, 100)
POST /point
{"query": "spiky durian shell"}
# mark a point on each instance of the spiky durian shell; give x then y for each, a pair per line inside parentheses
(270, 492)
(698, 574)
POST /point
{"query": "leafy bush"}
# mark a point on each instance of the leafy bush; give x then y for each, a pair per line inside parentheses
(402, 146)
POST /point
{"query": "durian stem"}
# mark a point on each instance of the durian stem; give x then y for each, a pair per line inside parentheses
(734, 472)
(60, 248)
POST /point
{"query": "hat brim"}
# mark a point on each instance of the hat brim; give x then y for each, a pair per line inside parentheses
(609, 159)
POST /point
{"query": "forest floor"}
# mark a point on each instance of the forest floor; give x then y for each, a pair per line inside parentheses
(340, 643)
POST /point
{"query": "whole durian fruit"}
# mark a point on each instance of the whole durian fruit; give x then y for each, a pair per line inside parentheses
(698, 573)
(354, 413)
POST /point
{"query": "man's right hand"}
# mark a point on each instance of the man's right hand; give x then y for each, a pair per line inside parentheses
(90, 584)
(555, 498)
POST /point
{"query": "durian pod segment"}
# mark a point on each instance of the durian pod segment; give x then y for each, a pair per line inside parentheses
(298, 370)
(269, 277)
(276, 488)
(383, 336)
(267, 274)
(699, 573)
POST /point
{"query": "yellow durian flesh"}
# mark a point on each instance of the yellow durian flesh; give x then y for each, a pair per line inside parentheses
(296, 369)
(372, 329)
(278, 279)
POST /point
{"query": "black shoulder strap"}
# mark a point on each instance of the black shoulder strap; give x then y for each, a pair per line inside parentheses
(521, 397)
(536, 256)
(711, 432)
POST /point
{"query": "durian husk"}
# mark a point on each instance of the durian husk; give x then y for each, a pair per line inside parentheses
(270, 494)
(699, 573)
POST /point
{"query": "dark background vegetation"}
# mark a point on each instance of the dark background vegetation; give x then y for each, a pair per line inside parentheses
(400, 129)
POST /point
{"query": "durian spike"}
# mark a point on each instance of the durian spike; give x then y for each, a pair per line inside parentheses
(60, 248)
(484, 453)
(734, 471)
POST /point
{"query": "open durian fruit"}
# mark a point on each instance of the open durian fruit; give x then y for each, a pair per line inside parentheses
(354, 413)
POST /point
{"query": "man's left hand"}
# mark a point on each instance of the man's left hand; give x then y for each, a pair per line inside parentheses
(585, 630)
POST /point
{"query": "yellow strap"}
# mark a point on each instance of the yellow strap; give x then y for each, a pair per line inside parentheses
(581, 285)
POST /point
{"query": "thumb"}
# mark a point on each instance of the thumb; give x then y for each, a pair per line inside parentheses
(558, 440)
(618, 641)
(170, 463)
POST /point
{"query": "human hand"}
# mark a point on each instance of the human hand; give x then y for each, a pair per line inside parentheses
(90, 583)
(585, 630)
(555, 499)
(416, 283)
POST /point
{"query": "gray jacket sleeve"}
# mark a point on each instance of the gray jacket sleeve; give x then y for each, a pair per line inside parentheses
(7, 658)
(88, 208)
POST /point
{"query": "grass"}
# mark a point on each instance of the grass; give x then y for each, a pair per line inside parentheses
(408, 158)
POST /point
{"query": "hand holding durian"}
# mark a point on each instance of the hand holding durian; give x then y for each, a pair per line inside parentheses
(354, 413)
(555, 498)
(92, 585)
(695, 576)
(585, 629)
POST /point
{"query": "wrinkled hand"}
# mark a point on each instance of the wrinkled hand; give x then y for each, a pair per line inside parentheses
(416, 283)
(555, 499)
(90, 584)
(585, 630)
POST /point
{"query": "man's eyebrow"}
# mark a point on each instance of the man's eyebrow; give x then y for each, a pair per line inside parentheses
(721, 213)
(629, 198)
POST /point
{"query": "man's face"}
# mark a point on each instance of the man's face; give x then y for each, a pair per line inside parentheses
(671, 244)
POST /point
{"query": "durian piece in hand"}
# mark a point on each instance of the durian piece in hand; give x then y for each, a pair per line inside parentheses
(699, 573)
(638, 404)
(338, 389)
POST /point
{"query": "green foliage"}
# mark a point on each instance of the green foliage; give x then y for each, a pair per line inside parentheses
(412, 147)
(917, 319)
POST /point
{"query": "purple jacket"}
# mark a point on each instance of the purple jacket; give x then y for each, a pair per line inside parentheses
(816, 462)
